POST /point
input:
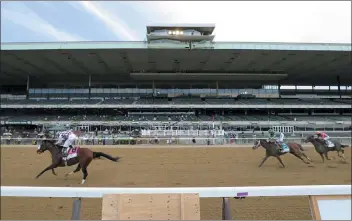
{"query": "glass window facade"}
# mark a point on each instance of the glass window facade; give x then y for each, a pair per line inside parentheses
(135, 92)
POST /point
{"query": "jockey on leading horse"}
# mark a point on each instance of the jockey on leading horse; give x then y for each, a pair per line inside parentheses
(66, 139)
(280, 141)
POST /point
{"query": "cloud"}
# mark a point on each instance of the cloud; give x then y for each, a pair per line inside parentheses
(21, 15)
(113, 22)
(301, 21)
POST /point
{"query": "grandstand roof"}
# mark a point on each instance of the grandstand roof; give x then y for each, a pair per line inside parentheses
(232, 63)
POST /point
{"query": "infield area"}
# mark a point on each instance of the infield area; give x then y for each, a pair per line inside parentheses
(171, 167)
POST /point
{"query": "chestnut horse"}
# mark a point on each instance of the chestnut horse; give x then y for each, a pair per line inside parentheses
(272, 150)
(83, 157)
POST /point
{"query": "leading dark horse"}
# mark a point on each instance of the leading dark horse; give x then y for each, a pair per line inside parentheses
(83, 158)
(272, 150)
(322, 149)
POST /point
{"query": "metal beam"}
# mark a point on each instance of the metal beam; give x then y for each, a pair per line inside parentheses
(226, 209)
(339, 86)
(76, 209)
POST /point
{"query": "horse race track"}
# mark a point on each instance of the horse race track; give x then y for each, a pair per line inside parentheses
(171, 167)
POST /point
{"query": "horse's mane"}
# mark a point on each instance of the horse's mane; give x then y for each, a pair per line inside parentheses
(316, 139)
(52, 142)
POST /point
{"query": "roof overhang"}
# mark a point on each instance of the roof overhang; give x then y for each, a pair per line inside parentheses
(208, 76)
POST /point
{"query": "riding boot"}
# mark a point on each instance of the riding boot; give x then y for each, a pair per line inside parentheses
(64, 151)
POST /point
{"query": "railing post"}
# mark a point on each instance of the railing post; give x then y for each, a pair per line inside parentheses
(76, 209)
(226, 209)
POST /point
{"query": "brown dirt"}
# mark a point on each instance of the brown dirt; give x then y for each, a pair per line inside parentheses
(172, 167)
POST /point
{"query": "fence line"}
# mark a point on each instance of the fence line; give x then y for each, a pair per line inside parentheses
(165, 141)
(207, 192)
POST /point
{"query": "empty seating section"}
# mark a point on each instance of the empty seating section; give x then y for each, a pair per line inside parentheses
(164, 101)
(166, 118)
(319, 101)
(219, 101)
(152, 101)
(288, 101)
(253, 102)
(85, 101)
(188, 101)
(313, 118)
(117, 101)
(344, 101)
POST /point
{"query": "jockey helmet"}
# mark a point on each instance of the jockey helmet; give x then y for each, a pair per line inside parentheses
(318, 132)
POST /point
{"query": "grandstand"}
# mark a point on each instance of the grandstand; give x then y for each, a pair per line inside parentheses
(177, 80)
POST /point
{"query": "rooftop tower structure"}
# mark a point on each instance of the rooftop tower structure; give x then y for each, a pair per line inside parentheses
(182, 33)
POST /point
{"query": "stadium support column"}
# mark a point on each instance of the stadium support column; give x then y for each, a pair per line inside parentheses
(89, 85)
(153, 88)
(27, 90)
(339, 86)
(217, 89)
(279, 88)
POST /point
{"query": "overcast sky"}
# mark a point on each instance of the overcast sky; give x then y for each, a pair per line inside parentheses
(303, 21)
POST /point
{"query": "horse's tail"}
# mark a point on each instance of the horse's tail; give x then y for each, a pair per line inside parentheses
(343, 146)
(101, 154)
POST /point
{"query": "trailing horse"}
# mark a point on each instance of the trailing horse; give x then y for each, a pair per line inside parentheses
(272, 150)
(77, 155)
(322, 149)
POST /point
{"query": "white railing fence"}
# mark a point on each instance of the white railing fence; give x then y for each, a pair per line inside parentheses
(166, 141)
(204, 192)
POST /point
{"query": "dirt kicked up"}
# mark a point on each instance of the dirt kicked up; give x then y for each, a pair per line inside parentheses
(171, 167)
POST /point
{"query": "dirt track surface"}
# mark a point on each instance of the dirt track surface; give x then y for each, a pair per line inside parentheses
(172, 167)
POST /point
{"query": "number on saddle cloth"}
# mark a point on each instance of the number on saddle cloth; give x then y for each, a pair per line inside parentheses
(285, 148)
(72, 153)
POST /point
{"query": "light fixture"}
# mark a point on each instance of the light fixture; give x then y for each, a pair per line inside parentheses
(174, 32)
(177, 32)
(170, 32)
(181, 32)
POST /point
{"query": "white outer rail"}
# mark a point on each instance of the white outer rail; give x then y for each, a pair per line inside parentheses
(255, 191)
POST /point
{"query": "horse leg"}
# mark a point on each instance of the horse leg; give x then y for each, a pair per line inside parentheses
(279, 159)
(303, 154)
(52, 166)
(78, 168)
(85, 174)
(300, 157)
(53, 171)
(84, 166)
(322, 157)
(264, 159)
(341, 155)
(326, 155)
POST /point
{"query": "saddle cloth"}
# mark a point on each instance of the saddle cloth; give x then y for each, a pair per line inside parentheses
(72, 153)
(285, 148)
(330, 144)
